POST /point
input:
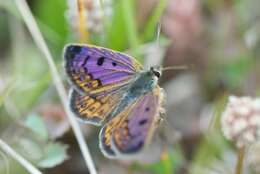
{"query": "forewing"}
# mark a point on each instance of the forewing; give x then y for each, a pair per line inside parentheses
(98, 71)
(129, 131)
(93, 109)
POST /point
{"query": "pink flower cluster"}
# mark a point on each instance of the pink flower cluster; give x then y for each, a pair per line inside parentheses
(241, 120)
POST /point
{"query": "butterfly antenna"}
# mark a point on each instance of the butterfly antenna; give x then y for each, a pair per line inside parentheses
(183, 67)
(159, 26)
(83, 31)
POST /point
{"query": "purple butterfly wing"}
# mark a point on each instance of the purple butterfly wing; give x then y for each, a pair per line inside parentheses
(132, 129)
(139, 124)
(98, 71)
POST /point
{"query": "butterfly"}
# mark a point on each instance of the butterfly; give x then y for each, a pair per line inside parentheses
(112, 90)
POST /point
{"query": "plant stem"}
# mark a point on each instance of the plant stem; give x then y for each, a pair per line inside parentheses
(26, 164)
(38, 38)
(6, 161)
(240, 160)
(83, 31)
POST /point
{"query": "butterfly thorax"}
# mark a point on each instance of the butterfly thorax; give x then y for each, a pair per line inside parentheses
(143, 83)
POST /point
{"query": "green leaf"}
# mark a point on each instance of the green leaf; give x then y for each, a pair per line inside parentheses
(151, 25)
(36, 124)
(170, 161)
(122, 32)
(213, 143)
(52, 14)
(130, 23)
(30, 82)
(6, 91)
(116, 31)
(55, 154)
(164, 166)
(235, 71)
(29, 148)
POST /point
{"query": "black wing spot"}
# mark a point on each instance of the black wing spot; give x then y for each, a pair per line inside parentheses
(91, 76)
(147, 109)
(71, 51)
(114, 63)
(83, 105)
(100, 61)
(99, 82)
(85, 61)
(142, 122)
(75, 48)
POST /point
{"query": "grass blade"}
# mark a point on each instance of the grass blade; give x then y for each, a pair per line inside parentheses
(26, 164)
(38, 38)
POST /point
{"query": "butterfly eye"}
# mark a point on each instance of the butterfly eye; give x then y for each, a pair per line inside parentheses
(157, 73)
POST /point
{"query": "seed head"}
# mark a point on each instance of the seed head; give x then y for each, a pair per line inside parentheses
(95, 13)
(241, 120)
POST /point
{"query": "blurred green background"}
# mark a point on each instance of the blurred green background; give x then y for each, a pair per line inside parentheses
(219, 40)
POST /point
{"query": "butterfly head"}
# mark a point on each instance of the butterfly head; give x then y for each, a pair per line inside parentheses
(156, 71)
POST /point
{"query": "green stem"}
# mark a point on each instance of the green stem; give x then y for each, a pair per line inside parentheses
(240, 160)
(26, 164)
